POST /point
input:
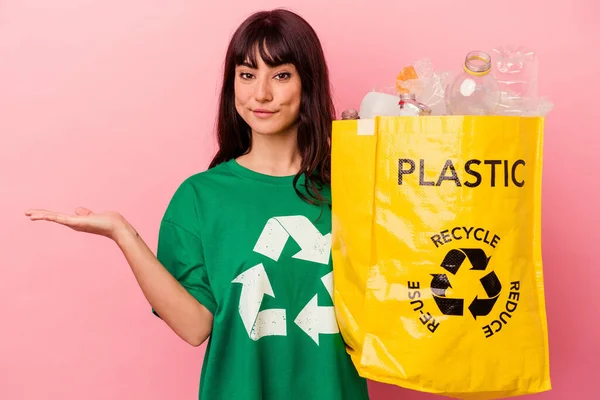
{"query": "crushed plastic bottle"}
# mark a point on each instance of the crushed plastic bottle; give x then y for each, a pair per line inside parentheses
(475, 91)
(516, 70)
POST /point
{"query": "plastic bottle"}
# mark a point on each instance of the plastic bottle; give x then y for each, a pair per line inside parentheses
(409, 106)
(378, 103)
(475, 91)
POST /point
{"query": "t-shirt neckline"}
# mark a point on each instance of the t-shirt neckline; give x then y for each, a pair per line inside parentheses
(240, 170)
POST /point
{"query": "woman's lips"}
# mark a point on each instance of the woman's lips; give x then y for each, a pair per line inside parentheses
(260, 113)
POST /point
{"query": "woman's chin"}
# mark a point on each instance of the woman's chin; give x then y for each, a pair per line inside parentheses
(265, 129)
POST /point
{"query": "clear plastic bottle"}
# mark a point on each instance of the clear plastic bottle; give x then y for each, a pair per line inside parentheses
(409, 106)
(475, 91)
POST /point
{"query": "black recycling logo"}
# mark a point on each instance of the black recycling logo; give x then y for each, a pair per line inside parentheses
(453, 261)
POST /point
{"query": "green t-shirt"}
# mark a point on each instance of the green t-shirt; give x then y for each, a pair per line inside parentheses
(258, 257)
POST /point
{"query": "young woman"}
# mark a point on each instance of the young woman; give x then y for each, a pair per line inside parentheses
(244, 247)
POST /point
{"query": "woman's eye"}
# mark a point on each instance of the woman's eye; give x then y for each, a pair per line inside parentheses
(283, 76)
(245, 75)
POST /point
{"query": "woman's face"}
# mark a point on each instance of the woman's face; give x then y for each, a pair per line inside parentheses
(268, 99)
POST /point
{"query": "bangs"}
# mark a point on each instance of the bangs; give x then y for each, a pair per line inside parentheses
(272, 48)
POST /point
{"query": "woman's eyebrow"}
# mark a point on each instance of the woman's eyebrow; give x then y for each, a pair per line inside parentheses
(247, 64)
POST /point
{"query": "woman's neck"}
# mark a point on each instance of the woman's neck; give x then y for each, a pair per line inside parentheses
(275, 155)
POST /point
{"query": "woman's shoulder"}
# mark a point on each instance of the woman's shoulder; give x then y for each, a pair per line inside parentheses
(194, 185)
(211, 178)
(192, 193)
(200, 182)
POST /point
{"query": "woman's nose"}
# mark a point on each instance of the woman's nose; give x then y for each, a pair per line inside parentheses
(263, 91)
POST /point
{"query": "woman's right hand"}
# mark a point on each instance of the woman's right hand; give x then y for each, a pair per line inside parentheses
(175, 305)
(106, 223)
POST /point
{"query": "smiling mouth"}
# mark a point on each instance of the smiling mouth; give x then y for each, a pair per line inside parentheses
(263, 113)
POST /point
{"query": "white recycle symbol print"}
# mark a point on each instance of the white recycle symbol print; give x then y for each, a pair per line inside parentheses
(314, 247)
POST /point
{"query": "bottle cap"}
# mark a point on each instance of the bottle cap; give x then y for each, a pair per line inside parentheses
(478, 63)
(350, 113)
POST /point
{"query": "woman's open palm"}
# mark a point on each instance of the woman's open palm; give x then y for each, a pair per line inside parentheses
(84, 220)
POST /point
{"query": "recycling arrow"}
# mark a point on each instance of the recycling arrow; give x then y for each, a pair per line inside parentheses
(439, 284)
(314, 247)
(492, 286)
(478, 259)
(454, 259)
(315, 320)
(328, 283)
(481, 307)
(450, 306)
(255, 285)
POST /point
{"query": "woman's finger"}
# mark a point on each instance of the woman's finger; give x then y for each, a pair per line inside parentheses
(54, 217)
(32, 211)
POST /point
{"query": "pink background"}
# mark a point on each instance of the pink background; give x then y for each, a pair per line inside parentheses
(110, 104)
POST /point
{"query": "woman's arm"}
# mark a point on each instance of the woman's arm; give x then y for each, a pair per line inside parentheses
(170, 300)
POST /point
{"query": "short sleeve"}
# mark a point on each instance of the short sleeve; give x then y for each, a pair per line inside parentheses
(180, 249)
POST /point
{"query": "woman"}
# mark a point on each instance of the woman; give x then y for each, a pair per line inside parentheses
(244, 247)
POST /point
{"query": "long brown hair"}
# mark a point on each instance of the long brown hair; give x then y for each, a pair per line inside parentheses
(282, 37)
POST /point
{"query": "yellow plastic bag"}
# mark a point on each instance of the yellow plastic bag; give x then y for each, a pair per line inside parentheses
(437, 254)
